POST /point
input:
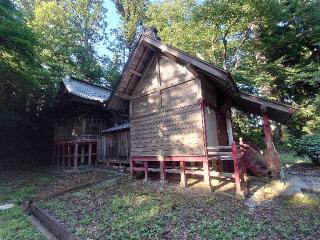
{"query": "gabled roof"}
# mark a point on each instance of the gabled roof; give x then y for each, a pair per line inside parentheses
(86, 90)
(117, 127)
(145, 49)
(149, 45)
(249, 103)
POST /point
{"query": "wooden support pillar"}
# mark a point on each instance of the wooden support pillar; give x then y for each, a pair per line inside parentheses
(273, 161)
(163, 175)
(90, 154)
(58, 155)
(54, 155)
(146, 172)
(69, 154)
(82, 152)
(96, 153)
(238, 176)
(183, 180)
(63, 163)
(206, 173)
(75, 158)
(132, 163)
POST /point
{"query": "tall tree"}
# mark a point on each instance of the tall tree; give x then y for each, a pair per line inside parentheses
(132, 13)
(271, 47)
(25, 87)
(68, 32)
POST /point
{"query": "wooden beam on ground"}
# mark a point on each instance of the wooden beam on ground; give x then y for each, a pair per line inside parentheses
(49, 222)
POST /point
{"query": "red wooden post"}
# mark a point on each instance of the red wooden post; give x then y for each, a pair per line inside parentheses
(69, 154)
(75, 159)
(235, 159)
(132, 172)
(89, 153)
(163, 174)
(206, 173)
(273, 162)
(183, 181)
(146, 172)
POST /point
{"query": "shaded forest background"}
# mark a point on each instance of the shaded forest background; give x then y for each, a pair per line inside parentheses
(271, 47)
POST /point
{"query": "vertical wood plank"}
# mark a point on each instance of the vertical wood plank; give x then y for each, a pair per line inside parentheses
(69, 155)
(239, 192)
(63, 163)
(58, 154)
(132, 172)
(75, 157)
(54, 160)
(90, 153)
(146, 172)
(82, 147)
(163, 175)
(206, 173)
(183, 178)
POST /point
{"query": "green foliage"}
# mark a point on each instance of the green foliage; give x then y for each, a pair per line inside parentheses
(16, 225)
(249, 128)
(310, 145)
(132, 15)
(68, 31)
(271, 48)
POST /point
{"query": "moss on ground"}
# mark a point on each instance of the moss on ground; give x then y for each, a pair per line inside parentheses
(131, 209)
(123, 208)
(16, 187)
(22, 185)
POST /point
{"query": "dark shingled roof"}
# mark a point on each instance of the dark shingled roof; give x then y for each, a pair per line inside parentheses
(119, 127)
(86, 90)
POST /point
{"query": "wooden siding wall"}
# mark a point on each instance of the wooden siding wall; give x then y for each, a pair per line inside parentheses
(114, 146)
(166, 115)
(73, 128)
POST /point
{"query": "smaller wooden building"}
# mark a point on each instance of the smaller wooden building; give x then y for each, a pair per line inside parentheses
(114, 145)
(80, 117)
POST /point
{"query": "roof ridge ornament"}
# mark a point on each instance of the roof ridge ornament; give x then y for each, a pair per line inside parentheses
(151, 32)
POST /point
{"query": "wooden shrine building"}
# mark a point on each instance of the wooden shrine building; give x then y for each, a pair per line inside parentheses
(179, 108)
(80, 119)
(114, 144)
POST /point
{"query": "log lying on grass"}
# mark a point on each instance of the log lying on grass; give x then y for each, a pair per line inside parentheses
(48, 221)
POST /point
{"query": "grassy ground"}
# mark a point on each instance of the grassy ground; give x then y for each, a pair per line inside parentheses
(132, 209)
(288, 159)
(19, 186)
(123, 208)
